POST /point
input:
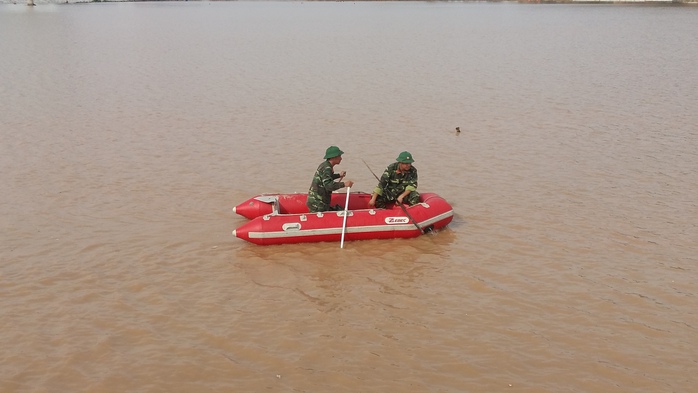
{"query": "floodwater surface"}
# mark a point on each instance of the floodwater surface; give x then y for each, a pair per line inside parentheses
(129, 132)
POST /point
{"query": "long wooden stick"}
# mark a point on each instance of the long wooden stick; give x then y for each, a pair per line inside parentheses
(410, 217)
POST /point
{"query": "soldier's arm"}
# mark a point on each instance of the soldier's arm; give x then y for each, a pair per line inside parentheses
(328, 181)
(411, 181)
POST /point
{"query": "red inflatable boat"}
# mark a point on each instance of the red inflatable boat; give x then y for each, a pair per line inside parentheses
(284, 218)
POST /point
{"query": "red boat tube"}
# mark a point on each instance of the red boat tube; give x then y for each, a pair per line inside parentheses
(432, 213)
(263, 204)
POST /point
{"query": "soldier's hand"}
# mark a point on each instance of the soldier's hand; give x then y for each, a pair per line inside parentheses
(348, 183)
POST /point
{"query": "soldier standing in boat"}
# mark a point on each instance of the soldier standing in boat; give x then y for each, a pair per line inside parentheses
(324, 183)
(397, 184)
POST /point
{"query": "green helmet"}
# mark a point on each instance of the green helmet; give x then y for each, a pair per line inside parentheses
(333, 151)
(405, 157)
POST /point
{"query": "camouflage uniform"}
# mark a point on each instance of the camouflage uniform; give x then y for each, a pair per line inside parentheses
(321, 188)
(392, 184)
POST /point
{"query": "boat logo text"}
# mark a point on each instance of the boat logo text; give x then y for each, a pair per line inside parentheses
(397, 220)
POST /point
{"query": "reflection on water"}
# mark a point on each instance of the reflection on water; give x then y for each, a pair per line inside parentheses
(131, 130)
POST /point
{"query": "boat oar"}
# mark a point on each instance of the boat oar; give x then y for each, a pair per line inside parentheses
(344, 224)
(401, 205)
(369, 169)
(410, 217)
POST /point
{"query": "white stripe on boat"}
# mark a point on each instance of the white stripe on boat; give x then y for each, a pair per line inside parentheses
(338, 230)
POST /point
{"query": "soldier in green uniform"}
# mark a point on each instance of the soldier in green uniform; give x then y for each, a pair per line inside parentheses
(324, 182)
(397, 184)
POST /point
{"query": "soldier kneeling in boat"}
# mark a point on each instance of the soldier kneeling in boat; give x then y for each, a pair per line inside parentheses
(397, 184)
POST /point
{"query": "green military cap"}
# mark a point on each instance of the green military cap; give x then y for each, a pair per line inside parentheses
(405, 157)
(333, 151)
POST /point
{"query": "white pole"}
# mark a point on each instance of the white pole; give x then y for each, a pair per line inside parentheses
(344, 225)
